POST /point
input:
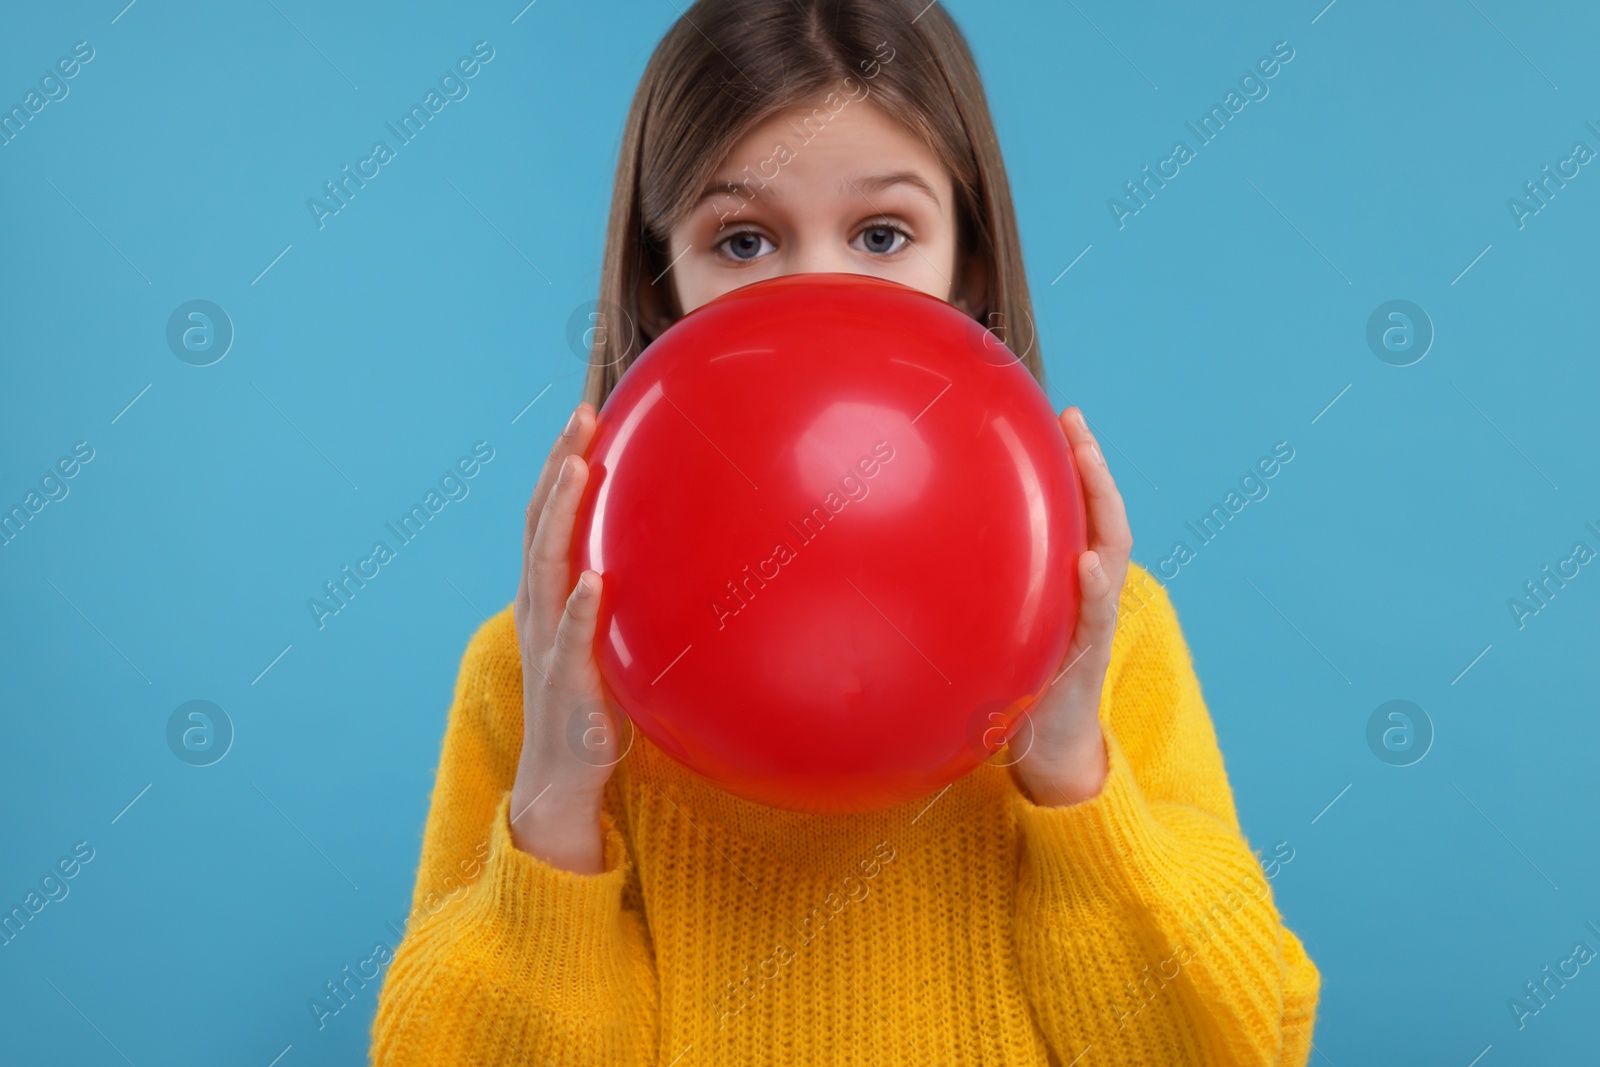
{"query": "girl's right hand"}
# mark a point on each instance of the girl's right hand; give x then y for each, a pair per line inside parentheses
(569, 740)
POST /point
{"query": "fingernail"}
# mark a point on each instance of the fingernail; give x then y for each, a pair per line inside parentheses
(584, 589)
(566, 471)
(1095, 570)
(1095, 448)
(572, 423)
(1083, 424)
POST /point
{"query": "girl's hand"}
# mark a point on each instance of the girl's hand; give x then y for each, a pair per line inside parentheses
(569, 737)
(1066, 760)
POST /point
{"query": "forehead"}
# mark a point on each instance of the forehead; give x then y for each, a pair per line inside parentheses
(835, 148)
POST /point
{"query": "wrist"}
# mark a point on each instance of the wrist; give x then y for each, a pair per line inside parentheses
(1069, 776)
(557, 825)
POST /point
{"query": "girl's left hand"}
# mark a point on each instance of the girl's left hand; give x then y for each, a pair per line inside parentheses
(1065, 757)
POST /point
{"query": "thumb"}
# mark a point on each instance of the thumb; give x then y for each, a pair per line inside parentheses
(1097, 610)
(574, 641)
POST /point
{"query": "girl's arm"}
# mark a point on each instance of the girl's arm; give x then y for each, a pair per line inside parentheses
(1145, 927)
(507, 958)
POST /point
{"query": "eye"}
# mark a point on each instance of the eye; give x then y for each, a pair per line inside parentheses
(744, 245)
(880, 238)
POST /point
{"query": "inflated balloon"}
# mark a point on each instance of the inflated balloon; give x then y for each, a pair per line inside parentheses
(839, 525)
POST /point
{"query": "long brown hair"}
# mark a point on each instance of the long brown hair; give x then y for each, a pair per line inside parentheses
(726, 66)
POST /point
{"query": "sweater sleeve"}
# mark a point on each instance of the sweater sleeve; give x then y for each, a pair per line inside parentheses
(506, 958)
(1150, 886)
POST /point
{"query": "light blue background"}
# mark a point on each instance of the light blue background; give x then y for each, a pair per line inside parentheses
(376, 351)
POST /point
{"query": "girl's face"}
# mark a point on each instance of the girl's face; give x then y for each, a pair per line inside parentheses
(860, 196)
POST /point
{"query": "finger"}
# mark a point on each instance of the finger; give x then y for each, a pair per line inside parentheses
(1108, 517)
(574, 437)
(550, 569)
(1074, 425)
(574, 638)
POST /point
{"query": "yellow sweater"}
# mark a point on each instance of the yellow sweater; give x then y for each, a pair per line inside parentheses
(971, 926)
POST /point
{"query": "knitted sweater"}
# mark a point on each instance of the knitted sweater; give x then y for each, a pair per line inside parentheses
(971, 926)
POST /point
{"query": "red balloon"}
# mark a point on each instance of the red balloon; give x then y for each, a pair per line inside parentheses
(839, 525)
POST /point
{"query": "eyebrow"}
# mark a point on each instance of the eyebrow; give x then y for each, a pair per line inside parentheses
(872, 183)
(907, 177)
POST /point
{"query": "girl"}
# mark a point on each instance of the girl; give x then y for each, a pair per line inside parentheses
(582, 898)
